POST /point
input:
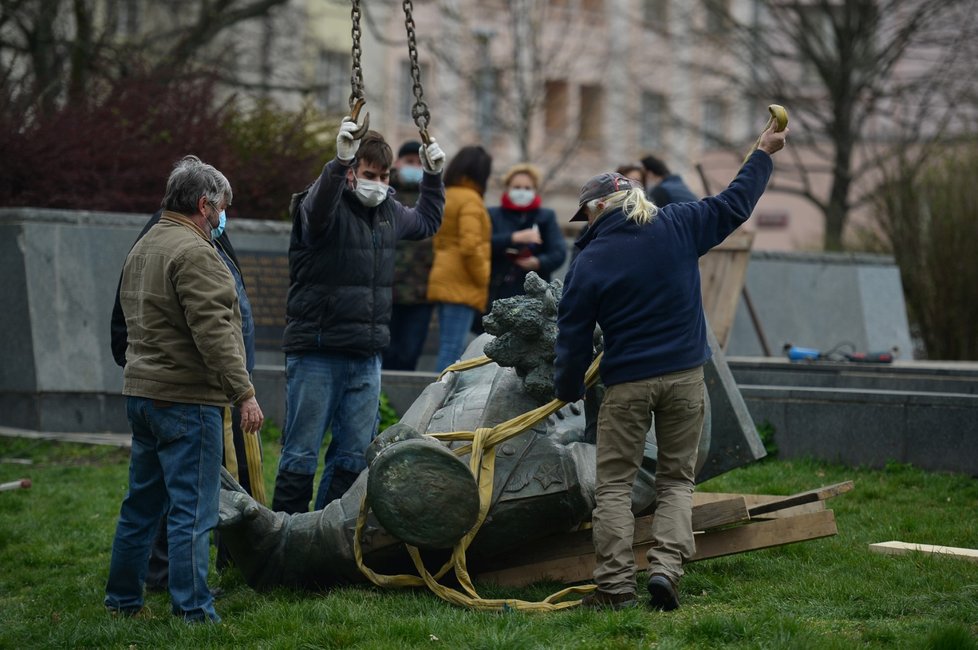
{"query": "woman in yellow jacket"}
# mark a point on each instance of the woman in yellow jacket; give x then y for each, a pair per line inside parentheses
(459, 279)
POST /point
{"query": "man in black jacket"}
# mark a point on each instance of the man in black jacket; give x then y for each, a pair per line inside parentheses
(341, 268)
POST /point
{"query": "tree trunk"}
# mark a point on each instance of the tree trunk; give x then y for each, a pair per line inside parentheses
(837, 209)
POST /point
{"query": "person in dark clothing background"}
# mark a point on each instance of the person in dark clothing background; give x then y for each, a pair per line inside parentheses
(234, 456)
(525, 236)
(411, 311)
(666, 187)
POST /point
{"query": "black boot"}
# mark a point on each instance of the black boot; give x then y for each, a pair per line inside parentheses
(339, 484)
(292, 492)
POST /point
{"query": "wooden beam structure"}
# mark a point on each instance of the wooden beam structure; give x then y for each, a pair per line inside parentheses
(725, 524)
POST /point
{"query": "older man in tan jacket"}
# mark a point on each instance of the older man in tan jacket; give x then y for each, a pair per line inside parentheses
(185, 362)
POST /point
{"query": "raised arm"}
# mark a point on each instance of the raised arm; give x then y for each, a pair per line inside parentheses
(319, 206)
(715, 217)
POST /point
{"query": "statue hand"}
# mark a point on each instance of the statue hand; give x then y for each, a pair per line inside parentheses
(236, 508)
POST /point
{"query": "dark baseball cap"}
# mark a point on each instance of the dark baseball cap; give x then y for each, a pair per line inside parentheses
(409, 148)
(602, 185)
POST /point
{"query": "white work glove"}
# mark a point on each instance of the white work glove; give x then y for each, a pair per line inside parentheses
(432, 158)
(346, 145)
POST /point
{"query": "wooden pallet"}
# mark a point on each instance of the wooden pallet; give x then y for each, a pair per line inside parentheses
(724, 524)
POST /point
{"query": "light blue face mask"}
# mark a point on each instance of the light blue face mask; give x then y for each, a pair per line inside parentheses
(222, 220)
(410, 174)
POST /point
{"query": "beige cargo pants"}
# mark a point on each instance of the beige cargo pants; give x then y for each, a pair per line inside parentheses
(677, 401)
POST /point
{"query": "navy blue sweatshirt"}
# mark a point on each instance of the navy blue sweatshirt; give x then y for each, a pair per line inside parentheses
(641, 285)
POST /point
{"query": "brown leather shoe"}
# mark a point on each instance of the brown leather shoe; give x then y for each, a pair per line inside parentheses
(663, 592)
(603, 600)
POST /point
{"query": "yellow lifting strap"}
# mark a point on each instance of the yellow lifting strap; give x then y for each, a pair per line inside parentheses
(482, 463)
(255, 474)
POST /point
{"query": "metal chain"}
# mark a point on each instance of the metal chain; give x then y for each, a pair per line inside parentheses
(419, 111)
(356, 76)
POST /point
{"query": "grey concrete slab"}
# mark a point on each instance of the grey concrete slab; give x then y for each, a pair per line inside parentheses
(935, 431)
(913, 376)
(104, 412)
(62, 268)
(16, 337)
(19, 410)
(821, 300)
(734, 441)
(942, 437)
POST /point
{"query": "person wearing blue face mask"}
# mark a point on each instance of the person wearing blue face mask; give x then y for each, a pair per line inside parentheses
(235, 455)
(410, 311)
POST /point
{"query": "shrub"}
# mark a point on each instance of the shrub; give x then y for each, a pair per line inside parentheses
(929, 217)
(115, 152)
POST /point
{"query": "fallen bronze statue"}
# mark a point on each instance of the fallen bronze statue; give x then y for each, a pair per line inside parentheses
(422, 502)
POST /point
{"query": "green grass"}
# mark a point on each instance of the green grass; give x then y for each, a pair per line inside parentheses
(55, 540)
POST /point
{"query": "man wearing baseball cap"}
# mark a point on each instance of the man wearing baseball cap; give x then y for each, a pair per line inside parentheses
(637, 277)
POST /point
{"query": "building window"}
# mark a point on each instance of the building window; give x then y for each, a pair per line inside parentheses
(652, 120)
(334, 80)
(714, 122)
(555, 106)
(717, 16)
(486, 92)
(407, 88)
(591, 115)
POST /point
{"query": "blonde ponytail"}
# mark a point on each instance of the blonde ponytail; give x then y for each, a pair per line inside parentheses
(633, 203)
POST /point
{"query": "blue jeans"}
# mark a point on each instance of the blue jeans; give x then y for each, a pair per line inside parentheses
(329, 391)
(409, 330)
(175, 463)
(454, 322)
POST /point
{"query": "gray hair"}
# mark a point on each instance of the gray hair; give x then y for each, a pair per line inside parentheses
(190, 179)
(633, 202)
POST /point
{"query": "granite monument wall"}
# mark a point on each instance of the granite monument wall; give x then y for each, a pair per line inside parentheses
(61, 269)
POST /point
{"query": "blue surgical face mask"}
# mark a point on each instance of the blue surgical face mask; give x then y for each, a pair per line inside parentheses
(522, 197)
(222, 221)
(410, 174)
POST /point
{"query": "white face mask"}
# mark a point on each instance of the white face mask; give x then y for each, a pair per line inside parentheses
(522, 197)
(371, 193)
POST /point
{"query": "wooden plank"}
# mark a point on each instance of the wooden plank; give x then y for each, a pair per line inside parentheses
(818, 494)
(580, 542)
(722, 274)
(720, 513)
(715, 543)
(810, 500)
(903, 548)
(764, 534)
(760, 499)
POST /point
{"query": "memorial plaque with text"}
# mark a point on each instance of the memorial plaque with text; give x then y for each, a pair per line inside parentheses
(266, 277)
